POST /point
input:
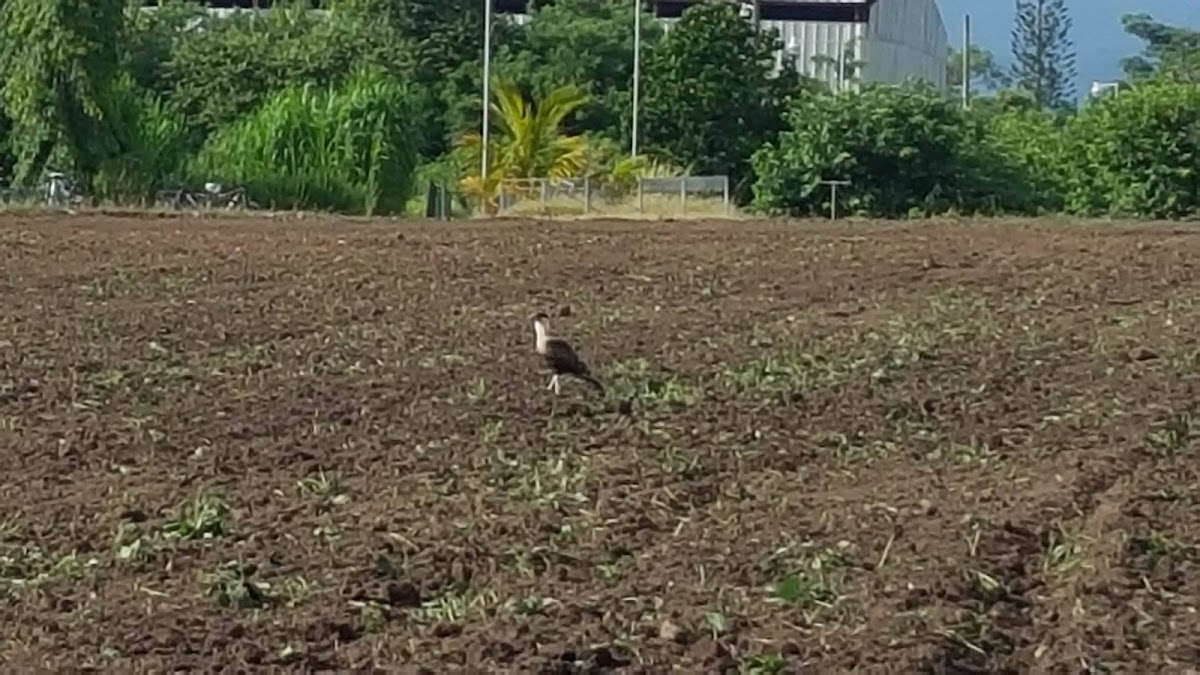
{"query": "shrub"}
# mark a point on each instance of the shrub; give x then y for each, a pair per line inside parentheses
(900, 146)
(154, 142)
(1021, 162)
(1137, 154)
(226, 67)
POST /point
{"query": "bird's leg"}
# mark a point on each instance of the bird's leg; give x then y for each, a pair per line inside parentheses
(556, 385)
(553, 379)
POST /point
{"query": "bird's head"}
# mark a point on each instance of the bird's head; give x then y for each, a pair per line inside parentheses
(540, 323)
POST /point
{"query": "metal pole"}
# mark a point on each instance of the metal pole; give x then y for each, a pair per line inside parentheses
(487, 89)
(966, 62)
(1041, 77)
(637, 70)
(833, 186)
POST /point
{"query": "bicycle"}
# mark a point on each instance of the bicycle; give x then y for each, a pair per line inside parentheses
(61, 191)
(212, 196)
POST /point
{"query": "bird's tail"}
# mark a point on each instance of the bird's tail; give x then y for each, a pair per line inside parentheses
(590, 379)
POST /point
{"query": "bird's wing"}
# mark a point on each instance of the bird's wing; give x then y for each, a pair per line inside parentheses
(563, 358)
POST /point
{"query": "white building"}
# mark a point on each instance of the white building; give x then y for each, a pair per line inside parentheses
(1104, 89)
(849, 41)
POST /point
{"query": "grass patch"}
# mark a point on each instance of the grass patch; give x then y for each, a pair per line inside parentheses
(202, 517)
(327, 487)
(644, 387)
(454, 605)
(28, 566)
(233, 585)
(812, 584)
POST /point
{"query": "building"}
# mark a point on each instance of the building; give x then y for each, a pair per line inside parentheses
(1105, 89)
(843, 42)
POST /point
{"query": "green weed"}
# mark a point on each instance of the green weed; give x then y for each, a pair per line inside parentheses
(638, 382)
(454, 605)
(202, 517)
(325, 486)
(232, 585)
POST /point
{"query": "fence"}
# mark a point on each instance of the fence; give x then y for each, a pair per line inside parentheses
(548, 196)
(684, 187)
(438, 202)
(659, 196)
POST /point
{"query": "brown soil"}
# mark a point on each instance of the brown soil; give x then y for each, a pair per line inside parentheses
(950, 447)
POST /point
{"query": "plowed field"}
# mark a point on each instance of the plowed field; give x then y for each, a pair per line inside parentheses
(949, 447)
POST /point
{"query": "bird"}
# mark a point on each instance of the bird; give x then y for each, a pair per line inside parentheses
(560, 356)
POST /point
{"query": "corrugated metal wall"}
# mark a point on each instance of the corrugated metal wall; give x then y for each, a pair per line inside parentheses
(815, 47)
(904, 38)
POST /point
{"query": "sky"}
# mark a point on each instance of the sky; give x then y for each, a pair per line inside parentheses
(1100, 42)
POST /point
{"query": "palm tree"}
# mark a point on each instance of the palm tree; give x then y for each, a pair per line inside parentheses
(529, 142)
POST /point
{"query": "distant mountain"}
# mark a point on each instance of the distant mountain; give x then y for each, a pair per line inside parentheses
(1100, 42)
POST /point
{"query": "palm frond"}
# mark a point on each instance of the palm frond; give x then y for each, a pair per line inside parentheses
(528, 141)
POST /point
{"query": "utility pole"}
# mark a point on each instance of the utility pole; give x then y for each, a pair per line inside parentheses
(637, 71)
(966, 62)
(487, 87)
(1041, 52)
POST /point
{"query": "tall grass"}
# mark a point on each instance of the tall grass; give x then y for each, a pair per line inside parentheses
(154, 145)
(351, 149)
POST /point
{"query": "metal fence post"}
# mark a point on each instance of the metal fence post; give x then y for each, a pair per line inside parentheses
(683, 195)
(833, 186)
(725, 193)
(587, 194)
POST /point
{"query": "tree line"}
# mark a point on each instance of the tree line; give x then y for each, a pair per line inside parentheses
(357, 109)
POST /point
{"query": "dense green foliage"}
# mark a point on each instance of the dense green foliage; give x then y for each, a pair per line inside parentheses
(586, 43)
(214, 83)
(900, 148)
(355, 110)
(589, 44)
(60, 59)
(713, 98)
(351, 149)
(1170, 51)
(1019, 160)
(909, 152)
(156, 145)
(1137, 153)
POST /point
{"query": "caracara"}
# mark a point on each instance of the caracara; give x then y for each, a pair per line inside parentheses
(560, 356)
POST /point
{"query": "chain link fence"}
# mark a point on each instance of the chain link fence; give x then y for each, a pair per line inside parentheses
(681, 196)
